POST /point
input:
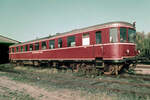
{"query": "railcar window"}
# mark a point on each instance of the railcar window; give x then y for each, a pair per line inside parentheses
(26, 47)
(43, 45)
(21, 48)
(13, 50)
(71, 41)
(36, 46)
(98, 37)
(113, 35)
(52, 44)
(86, 39)
(59, 43)
(31, 47)
(131, 35)
(17, 49)
(123, 35)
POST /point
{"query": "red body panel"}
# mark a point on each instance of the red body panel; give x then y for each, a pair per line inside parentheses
(118, 51)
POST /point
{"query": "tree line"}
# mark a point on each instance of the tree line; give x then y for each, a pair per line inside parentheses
(143, 44)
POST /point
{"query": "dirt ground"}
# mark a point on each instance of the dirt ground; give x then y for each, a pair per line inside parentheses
(38, 83)
(36, 92)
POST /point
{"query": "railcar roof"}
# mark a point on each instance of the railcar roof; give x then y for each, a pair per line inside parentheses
(99, 26)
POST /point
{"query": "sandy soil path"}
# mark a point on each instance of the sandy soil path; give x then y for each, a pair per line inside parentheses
(36, 92)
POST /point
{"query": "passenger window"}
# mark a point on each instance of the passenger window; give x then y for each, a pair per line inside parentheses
(36, 46)
(43, 45)
(71, 41)
(52, 44)
(123, 35)
(26, 47)
(17, 49)
(98, 37)
(59, 43)
(113, 35)
(86, 39)
(21, 48)
(31, 47)
(13, 50)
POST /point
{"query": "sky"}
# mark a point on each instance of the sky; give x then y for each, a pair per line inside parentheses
(25, 20)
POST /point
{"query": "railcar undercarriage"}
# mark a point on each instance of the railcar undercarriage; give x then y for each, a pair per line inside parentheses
(87, 67)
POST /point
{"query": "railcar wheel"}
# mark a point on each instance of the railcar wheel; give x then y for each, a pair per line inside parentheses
(125, 67)
(49, 64)
(109, 69)
(74, 67)
(116, 69)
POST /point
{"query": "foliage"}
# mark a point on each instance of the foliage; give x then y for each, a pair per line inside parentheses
(143, 44)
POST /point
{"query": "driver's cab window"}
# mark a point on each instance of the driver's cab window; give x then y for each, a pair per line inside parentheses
(131, 35)
(123, 34)
(113, 35)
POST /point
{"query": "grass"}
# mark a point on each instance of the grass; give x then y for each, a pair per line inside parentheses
(7, 94)
(52, 78)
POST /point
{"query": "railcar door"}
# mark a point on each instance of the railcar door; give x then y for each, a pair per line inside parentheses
(98, 46)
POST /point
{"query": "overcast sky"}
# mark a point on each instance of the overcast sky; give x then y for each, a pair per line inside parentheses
(25, 20)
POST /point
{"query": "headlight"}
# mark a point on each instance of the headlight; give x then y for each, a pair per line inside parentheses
(128, 51)
(139, 51)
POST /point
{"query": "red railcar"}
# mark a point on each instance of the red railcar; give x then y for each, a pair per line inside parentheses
(111, 43)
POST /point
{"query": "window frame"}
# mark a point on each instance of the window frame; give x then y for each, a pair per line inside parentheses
(45, 46)
(30, 46)
(60, 41)
(26, 48)
(21, 48)
(84, 36)
(17, 49)
(126, 39)
(96, 33)
(13, 50)
(69, 42)
(53, 43)
(134, 35)
(37, 46)
(115, 37)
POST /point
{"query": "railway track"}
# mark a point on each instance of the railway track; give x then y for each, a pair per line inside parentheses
(130, 76)
(142, 66)
(142, 69)
(105, 84)
(119, 82)
(97, 85)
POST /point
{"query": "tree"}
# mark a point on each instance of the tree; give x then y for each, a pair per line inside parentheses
(148, 35)
(143, 44)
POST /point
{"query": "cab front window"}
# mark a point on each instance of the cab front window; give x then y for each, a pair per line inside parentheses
(131, 35)
(113, 35)
(123, 35)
